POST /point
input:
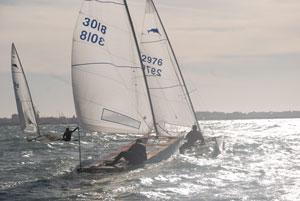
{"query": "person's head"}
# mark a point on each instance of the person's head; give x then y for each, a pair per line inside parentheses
(194, 127)
(67, 129)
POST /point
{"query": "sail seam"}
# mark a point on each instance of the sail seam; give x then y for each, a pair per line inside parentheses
(173, 86)
(17, 72)
(104, 63)
(113, 2)
(154, 41)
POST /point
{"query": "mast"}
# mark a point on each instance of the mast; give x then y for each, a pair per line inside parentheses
(35, 116)
(176, 61)
(143, 68)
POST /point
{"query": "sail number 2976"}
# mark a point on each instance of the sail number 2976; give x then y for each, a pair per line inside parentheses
(152, 65)
(91, 36)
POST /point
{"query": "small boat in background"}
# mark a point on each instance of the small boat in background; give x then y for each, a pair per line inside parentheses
(26, 110)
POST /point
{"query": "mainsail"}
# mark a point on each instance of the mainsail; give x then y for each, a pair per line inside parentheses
(108, 84)
(26, 111)
(172, 106)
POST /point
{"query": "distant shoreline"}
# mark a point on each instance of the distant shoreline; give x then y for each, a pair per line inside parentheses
(250, 115)
(14, 120)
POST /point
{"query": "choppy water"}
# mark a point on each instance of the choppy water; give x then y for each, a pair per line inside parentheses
(261, 162)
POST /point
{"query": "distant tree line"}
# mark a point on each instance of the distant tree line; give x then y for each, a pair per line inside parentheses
(250, 115)
(14, 120)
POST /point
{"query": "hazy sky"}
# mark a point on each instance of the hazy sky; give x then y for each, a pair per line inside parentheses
(236, 55)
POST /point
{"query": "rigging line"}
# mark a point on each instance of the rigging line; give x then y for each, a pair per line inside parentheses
(136, 78)
(112, 2)
(170, 107)
(143, 25)
(144, 120)
(154, 41)
(103, 63)
(159, 24)
(179, 79)
(173, 86)
(179, 70)
(199, 99)
(163, 129)
(142, 68)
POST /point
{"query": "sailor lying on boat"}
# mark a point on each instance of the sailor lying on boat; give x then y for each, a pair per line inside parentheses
(68, 134)
(193, 136)
(135, 155)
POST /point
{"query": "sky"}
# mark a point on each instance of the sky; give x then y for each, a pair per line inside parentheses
(236, 55)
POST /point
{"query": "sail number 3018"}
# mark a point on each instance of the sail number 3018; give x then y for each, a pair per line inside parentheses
(90, 36)
(149, 62)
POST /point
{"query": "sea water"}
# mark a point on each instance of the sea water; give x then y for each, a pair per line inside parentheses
(261, 162)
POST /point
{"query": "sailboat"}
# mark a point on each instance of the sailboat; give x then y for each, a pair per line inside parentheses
(122, 85)
(26, 110)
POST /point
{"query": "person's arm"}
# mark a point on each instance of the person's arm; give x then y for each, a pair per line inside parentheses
(132, 147)
(187, 136)
(75, 129)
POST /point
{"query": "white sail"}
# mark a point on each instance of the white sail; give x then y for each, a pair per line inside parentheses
(27, 115)
(172, 108)
(108, 85)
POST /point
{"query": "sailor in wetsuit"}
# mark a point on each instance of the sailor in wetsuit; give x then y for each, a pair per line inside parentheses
(191, 138)
(68, 134)
(135, 155)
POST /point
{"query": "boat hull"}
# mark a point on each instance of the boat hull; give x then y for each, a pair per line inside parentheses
(49, 137)
(158, 149)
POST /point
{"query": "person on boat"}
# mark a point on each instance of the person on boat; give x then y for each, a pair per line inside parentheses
(193, 136)
(68, 134)
(135, 155)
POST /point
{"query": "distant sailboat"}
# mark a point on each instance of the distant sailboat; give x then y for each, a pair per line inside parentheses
(123, 86)
(26, 110)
